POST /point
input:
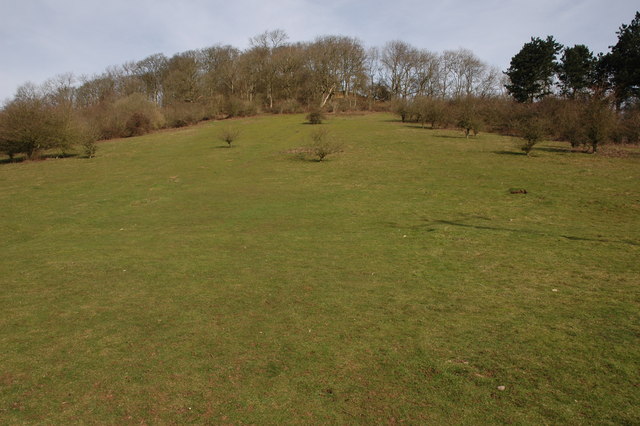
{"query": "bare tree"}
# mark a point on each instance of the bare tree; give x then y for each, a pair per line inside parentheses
(425, 74)
(491, 83)
(447, 65)
(261, 65)
(373, 72)
(399, 60)
(96, 90)
(181, 81)
(336, 64)
(289, 62)
(150, 70)
(269, 39)
(220, 68)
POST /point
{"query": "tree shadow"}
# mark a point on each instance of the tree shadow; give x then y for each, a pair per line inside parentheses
(43, 157)
(303, 155)
(509, 153)
(455, 137)
(530, 232)
(551, 149)
(432, 225)
(59, 155)
(13, 160)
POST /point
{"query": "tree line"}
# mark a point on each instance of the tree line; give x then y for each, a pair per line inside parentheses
(559, 92)
(546, 67)
(331, 73)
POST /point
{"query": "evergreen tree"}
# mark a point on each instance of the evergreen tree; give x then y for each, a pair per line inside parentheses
(576, 70)
(624, 62)
(532, 70)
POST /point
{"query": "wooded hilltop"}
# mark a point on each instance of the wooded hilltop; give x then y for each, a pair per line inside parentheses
(549, 91)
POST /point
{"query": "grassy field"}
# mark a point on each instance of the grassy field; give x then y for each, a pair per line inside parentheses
(174, 280)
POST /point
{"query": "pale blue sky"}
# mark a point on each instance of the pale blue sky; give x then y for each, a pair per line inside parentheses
(42, 38)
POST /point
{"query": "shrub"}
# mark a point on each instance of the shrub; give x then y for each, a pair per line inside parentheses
(470, 124)
(9, 148)
(133, 115)
(323, 144)
(429, 110)
(138, 124)
(468, 115)
(30, 126)
(88, 136)
(229, 134)
(89, 147)
(568, 124)
(287, 106)
(236, 107)
(402, 108)
(532, 131)
(315, 117)
(630, 125)
(599, 121)
(342, 105)
(212, 107)
(181, 114)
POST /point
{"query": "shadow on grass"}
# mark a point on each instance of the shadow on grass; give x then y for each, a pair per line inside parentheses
(23, 159)
(310, 160)
(550, 149)
(543, 149)
(509, 153)
(460, 136)
(417, 126)
(12, 160)
(63, 155)
(304, 156)
(431, 226)
(526, 231)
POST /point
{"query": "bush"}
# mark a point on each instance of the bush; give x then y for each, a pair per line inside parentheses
(315, 117)
(133, 115)
(599, 121)
(630, 125)
(9, 148)
(87, 139)
(181, 114)
(338, 105)
(229, 134)
(470, 124)
(30, 126)
(236, 107)
(287, 106)
(429, 110)
(532, 131)
(138, 124)
(212, 107)
(89, 147)
(467, 112)
(568, 125)
(323, 145)
(402, 108)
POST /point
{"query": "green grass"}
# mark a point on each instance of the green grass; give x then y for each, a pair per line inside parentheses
(173, 280)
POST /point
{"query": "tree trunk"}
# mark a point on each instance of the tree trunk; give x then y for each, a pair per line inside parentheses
(326, 98)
